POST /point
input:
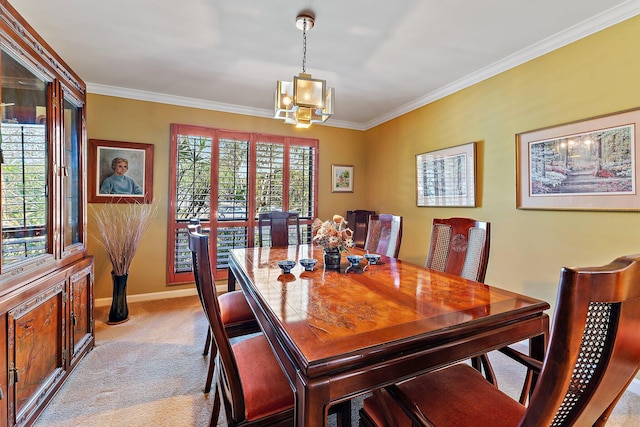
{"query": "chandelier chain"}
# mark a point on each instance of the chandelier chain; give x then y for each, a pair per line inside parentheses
(304, 46)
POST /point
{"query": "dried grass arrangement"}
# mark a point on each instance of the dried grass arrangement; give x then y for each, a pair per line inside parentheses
(122, 226)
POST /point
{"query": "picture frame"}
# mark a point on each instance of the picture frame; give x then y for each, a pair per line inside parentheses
(341, 178)
(447, 177)
(136, 184)
(587, 165)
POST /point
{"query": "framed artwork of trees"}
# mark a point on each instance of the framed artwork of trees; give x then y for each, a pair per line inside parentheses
(585, 165)
(447, 177)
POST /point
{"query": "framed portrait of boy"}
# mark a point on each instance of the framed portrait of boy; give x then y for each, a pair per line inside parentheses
(120, 172)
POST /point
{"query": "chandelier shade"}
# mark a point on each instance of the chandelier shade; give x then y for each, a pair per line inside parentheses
(304, 100)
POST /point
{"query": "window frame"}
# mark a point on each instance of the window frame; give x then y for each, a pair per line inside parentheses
(176, 226)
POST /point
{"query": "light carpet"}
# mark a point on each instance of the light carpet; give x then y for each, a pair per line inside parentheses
(149, 371)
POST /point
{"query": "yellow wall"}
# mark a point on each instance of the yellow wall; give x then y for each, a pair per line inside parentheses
(119, 119)
(594, 76)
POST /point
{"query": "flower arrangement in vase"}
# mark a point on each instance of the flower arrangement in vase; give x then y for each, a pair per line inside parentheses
(335, 237)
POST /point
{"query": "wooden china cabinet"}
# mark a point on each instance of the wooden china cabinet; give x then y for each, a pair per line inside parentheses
(46, 277)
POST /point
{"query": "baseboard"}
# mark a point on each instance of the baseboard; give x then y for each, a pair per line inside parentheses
(101, 302)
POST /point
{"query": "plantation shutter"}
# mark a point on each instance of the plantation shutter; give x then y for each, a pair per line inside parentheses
(243, 174)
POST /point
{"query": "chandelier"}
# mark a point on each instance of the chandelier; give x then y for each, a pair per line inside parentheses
(305, 100)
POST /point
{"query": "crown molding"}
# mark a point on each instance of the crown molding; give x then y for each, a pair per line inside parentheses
(141, 95)
(586, 28)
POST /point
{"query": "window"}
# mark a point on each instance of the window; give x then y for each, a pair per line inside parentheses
(26, 225)
(224, 179)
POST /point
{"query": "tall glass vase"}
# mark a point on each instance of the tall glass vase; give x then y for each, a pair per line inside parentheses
(119, 311)
(332, 258)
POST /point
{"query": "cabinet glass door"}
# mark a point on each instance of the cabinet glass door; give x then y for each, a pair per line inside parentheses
(72, 214)
(24, 163)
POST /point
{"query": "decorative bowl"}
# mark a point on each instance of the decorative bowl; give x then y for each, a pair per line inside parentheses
(286, 266)
(372, 258)
(354, 260)
(308, 263)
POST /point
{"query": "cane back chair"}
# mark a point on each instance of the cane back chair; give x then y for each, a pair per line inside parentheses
(593, 355)
(460, 246)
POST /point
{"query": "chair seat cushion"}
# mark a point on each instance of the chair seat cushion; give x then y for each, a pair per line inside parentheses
(454, 396)
(265, 387)
(234, 308)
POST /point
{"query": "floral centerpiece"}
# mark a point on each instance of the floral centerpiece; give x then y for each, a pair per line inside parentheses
(335, 237)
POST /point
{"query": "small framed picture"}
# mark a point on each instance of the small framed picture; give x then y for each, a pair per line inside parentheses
(341, 179)
(120, 172)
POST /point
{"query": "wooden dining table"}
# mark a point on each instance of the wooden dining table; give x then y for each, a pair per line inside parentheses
(340, 334)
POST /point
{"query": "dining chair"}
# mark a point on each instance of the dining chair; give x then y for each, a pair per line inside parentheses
(250, 385)
(384, 235)
(460, 246)
(281, 226)
(358, 221)
(593, 355)
(236, 315)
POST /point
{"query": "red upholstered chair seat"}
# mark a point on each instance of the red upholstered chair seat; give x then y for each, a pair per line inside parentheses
(234, 308)
(266, 389)
(457, 403)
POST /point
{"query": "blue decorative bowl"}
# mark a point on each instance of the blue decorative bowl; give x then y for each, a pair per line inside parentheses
(308, 263)
(286, 266)
(354, 260)
(372, 259)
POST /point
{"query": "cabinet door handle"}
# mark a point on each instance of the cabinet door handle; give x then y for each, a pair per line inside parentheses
(74, 319)
(14, 375)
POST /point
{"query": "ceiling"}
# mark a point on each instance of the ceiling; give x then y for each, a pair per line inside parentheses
(384, 58)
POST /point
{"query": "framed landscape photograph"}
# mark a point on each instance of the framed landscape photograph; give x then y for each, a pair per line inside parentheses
(447, 177)
(120, 172)
(586, 165)
(341, 179)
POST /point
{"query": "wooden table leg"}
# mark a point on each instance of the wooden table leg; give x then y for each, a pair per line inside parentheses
(231, 281)
(310, 403)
